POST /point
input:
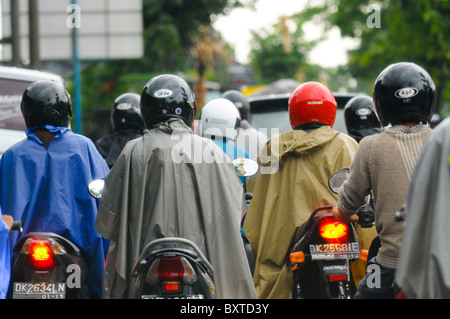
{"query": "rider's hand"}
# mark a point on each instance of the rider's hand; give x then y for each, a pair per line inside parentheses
(9, 220)
(339, 214)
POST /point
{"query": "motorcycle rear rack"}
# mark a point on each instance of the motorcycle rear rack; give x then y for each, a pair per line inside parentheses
(168, 243)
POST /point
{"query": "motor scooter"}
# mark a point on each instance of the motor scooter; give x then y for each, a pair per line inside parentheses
(169, 268)
(323, 249)
(173, 268)
(46, 266)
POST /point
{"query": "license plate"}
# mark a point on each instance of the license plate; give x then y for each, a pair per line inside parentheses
(41, 290)
(334, 251)
(172, 297)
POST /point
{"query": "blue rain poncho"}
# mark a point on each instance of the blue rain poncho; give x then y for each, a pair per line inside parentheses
(47, 190)
(232, 150)
(5, 263)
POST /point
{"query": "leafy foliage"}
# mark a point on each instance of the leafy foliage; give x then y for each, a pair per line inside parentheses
(171, 30)
(413, 30)
(273, 58)
(173, 26)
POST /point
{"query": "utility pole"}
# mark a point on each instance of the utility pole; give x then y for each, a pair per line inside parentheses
(15, 32)
(33, 19)
(76, 76)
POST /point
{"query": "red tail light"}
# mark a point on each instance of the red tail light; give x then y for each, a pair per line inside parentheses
(333, 229)
(41, 254)
(42, 251)
(172, 286)
(338, 277)
(170, 269)
(171, 273)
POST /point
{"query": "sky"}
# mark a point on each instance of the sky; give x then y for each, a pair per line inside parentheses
(235, 29)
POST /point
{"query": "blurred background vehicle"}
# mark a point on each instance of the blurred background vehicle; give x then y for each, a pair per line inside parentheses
(270, 112)
(13, 82)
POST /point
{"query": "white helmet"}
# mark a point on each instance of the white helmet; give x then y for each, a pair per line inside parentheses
(219, 118)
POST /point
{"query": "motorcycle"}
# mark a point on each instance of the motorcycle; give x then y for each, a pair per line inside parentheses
(46, 266)
(323, 249)
(173, 268)
(170, 267)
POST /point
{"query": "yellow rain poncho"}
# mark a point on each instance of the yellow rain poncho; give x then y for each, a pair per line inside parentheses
(292, 182)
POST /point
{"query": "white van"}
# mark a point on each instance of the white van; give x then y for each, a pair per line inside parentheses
(13, 82)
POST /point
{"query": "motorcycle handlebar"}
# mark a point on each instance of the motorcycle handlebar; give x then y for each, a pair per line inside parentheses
(400, 214)
(17, 226)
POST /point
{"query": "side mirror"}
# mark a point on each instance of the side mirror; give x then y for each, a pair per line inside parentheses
(95, 187)
(337, 179)
(245, 167)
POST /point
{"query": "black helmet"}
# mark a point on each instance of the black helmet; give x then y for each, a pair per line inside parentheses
(360, 118)
(167, 96)
(46, 102)
(240, 101)
(126, 113)
(404, 92)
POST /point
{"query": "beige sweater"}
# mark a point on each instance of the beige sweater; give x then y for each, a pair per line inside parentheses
(384, 163)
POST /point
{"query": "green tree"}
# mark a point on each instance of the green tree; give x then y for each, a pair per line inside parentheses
(171, 30)
(391, 31)
(278, 53)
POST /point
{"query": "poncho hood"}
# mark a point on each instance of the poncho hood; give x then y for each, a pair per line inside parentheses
(295, 142)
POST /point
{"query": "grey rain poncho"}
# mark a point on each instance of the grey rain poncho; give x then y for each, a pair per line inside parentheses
(171, 183)
(424, 266)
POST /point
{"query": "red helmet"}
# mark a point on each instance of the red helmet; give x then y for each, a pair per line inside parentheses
(312, 102)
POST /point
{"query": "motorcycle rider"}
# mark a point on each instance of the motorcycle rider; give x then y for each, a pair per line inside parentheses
(360, 118)
(44, 178)
(6, 223)
(404, 96)
(168, 183)
(361, 121)
(127, 123)
(423, 270)
(299, 163)
(219, 121)
(248, 137)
